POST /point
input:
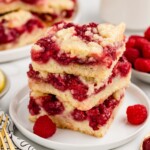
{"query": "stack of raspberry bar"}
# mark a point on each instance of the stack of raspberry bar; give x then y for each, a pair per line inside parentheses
(78, 76)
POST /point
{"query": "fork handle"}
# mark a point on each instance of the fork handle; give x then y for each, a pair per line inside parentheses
(21, 144)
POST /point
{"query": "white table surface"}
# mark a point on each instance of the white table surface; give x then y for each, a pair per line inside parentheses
(16, 70)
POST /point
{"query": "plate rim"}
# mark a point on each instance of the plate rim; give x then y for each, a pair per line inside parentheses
(14, 52)
(67, 145)
(144, 74)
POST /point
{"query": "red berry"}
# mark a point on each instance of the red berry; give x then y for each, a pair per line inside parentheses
(136, 114)
(30, 2)
(146, 51)
(132, 41)
(142, 64)
(44, 127)
(147, 34)
(79, 115)
(132, 54)
(146, 144)
(140, 43)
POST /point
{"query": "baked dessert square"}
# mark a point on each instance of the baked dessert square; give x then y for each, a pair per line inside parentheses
(81, 92)
(50, 11)
(18, 29)
(95, 121)
(90, 50)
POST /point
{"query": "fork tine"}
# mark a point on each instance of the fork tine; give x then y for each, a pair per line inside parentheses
(4, 133)
(2, 142)
(11, 146)
(1, 118)
(4, 125)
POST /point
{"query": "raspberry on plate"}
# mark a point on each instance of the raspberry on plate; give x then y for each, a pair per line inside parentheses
(44, 127)
(136, 114)
(132, 54)
(147, 34)
(142, 64)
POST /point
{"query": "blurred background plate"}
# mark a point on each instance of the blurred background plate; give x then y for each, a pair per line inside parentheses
(14, 54)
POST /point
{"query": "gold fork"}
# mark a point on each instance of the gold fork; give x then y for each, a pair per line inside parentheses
(4, 135)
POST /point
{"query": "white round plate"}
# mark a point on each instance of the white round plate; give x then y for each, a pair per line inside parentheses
(141, 75)
(14, 54)
(119, 133)
(6, 88)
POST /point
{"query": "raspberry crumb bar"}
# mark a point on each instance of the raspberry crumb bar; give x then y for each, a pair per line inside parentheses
(94, 121)
(90, 50)
(16, 32)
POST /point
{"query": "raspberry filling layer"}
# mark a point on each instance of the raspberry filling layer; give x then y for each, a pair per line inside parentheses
(49, 103)
(78, 89)
(52, 17)
(7, 1)
(46, 16)
(51, 50)
(31, 2)
(8, 35)
(97, 116)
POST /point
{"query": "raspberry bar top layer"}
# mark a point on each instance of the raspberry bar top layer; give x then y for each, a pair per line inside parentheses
(13, 27)
(47, 10)
(83, 93)
(89, 50)
(94, 121)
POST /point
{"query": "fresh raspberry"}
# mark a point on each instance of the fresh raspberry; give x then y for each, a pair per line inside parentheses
(142, 64)
(44, 127)
(136, 114)
(132, 54)
(133, 40)
(146, 51)
(147, 34)
(140, 43)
